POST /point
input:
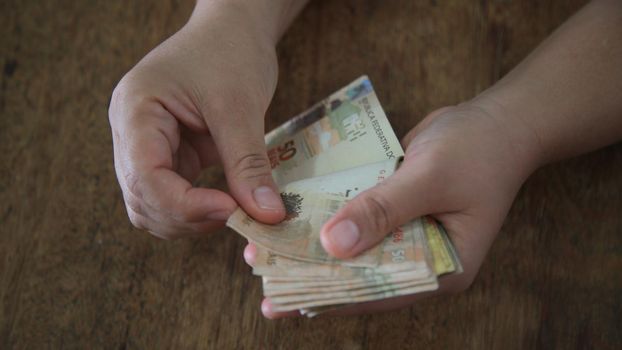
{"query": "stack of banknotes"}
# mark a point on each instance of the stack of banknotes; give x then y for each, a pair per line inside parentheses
(320, 160)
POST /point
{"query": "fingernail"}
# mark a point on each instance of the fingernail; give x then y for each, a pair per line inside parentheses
(266, 198)
(344, 235)
(266, 308)
(250, 253)
(222, 215)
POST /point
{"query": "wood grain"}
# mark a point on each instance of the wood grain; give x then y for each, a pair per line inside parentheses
(75, 274)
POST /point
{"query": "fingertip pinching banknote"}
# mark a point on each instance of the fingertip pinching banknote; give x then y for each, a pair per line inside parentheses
(320, 160)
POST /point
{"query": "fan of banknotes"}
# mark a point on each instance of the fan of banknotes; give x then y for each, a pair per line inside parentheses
(320, 160)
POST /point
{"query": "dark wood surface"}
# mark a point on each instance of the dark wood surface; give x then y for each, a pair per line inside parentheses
(75, 274)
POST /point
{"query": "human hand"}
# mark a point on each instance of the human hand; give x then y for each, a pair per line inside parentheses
(463, 166)
(196, 100)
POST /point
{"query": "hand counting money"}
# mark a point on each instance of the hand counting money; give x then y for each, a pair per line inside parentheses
(321, 159)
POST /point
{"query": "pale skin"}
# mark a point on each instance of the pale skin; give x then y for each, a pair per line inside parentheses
(171, 116)
(196, 100)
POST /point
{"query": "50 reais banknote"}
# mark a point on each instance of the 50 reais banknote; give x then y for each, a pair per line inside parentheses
(320, 160)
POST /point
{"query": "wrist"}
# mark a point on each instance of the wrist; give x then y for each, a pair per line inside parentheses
(525, 142)
(267, 19)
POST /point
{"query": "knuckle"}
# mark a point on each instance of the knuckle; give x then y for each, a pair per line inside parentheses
(133, 203)
(137, 220)
(119, 94)
(183, 215)
(251, 166)
(378, 211)
(129, 99)
(132, 181)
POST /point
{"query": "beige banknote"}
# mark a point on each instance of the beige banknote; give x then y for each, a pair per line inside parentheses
(315, 300)
(389, 292)
(352, 292)
(298, 236)
(275, 289)
(320, 160)
(310, 203)
(346, 130)
(378, 283)
(403, 259)
(403, 249)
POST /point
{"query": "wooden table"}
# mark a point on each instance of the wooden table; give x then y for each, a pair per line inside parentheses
(75, 274)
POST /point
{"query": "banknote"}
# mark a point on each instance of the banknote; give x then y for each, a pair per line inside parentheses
(347, 183)
(378, 283)
(320, 160)
(309, 204)
(315, 311)
(449, 246)
(400, 252)
(298, 235)
(322, 295)
(321, 286)
(346, 130)
(326, 139)
(395, 258)
(349, 292)
(388, 292)
(443, 255)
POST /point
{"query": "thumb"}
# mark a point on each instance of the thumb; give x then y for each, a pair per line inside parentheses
(243, 153)
(371, 215)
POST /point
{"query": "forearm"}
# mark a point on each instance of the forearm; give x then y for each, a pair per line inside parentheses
(568, 93)
(270, 18)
